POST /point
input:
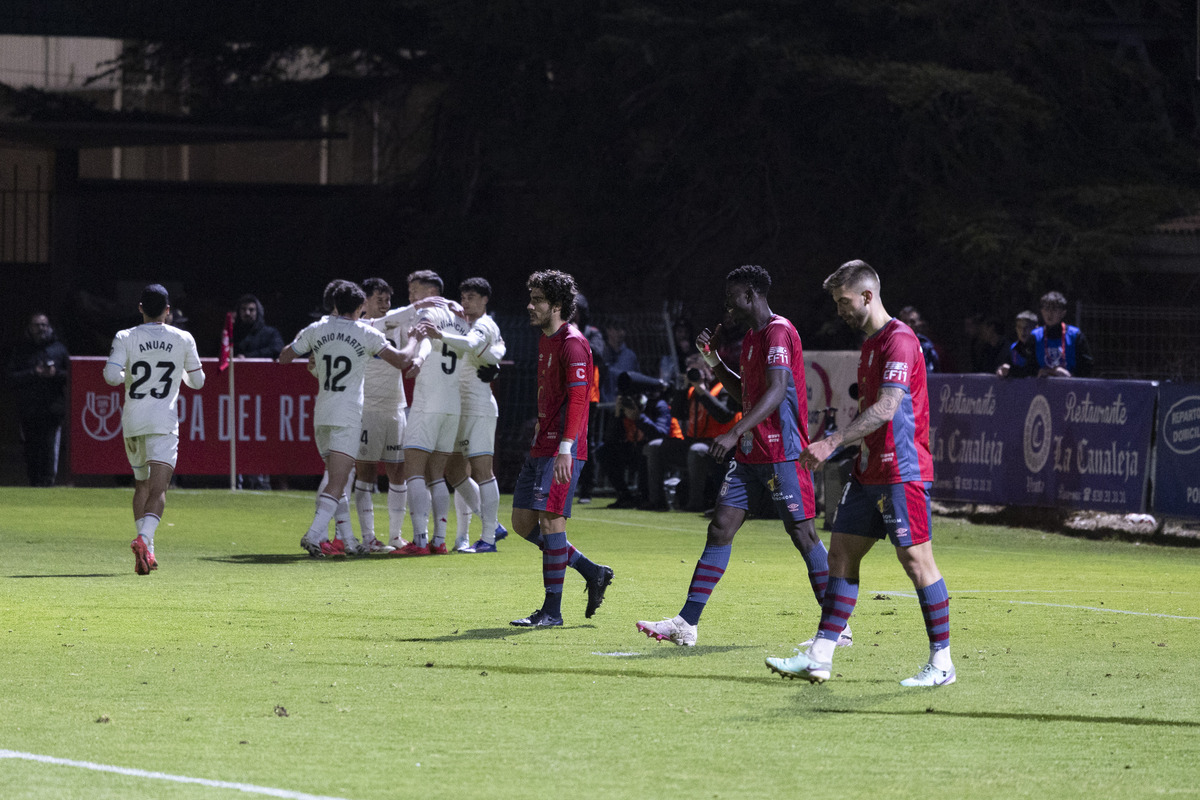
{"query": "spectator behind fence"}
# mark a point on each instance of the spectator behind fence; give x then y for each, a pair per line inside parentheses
(642, 414)
(704, 411)
(595, 337)
(1062, 349)
(252, 336)
(985, 343)
(911, 317)
(1020, 360)
(617, 358)
(37, 374)
(672, 367)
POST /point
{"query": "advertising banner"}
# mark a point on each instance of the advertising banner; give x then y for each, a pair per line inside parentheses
(829, 376)
(1077, 443)
(1177, 454)
(271, 417)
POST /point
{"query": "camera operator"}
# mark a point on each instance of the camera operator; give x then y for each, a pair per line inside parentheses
(643, 414)
(704, 411)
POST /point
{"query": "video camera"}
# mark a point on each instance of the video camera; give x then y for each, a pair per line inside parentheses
(634, 389)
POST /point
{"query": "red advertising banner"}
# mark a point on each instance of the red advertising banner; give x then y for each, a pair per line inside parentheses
(271, 415)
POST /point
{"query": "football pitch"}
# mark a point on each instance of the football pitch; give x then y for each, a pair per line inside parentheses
(244, 668)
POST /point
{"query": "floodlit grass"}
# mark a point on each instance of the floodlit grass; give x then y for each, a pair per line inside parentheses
(243, 660)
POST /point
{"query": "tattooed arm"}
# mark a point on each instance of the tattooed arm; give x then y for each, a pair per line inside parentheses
(871, 419)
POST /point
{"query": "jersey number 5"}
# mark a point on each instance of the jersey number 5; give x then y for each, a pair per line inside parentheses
(141, 371)
(453, 356)
(333, 380)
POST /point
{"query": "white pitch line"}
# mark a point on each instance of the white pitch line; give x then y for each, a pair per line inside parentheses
(1063, 605)
(163, 776)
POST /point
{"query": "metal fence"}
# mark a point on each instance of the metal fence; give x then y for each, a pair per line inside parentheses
(25, 224)
(1143, 343)
(516, 391)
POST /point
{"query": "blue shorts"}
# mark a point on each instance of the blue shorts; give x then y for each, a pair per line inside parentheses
(789, 485)
(537, 491)
(899, 511)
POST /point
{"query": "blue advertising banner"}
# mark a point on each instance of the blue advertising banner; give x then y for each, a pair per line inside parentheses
(1077, 443)
(1177, 454)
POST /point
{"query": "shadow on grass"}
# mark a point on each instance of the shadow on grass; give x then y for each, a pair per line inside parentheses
(1019, 717)
(77, 575)
(512, 630)
(510, 669)
(291, 558)
(269, 558)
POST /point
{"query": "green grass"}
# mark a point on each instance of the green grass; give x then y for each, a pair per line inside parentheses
(402, 677)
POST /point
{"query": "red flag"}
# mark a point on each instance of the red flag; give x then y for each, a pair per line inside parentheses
(226, 341)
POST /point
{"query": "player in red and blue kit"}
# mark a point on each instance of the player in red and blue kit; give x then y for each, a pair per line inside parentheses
(889, 493)
(542, 497)
(766, 444)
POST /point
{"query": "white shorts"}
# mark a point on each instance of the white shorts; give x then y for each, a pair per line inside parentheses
(336, 439)
(433, 433)
(476, 436)
(382, 437)
(160, 448)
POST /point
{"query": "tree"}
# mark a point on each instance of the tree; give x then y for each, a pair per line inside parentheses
(997, 146)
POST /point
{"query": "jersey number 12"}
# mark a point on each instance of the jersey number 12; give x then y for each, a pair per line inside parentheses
(333, 381)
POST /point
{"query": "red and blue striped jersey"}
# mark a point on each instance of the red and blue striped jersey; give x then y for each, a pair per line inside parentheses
(897, 451)
(564, 376)
(783, 435)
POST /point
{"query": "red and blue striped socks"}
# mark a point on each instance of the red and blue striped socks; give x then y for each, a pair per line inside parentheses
(709, 569)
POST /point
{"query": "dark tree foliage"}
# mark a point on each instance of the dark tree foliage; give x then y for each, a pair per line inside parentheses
(975, 152)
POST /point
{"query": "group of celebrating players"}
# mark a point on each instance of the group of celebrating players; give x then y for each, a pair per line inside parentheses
(452, 352)
(359, 350)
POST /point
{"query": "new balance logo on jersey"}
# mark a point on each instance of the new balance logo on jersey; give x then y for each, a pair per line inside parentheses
(896, 371)
(778, 355)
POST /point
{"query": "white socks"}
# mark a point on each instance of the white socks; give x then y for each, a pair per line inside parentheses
(419, 504)
(341, 519)
(489, 509)
(466, 503)
(364, 504)
(397, 501)
(147, 525)
(822, 650)
(326, 506)
(440, 504)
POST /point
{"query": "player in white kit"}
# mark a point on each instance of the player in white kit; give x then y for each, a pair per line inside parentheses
(152, 360)
(432, 421)
(469, 469)
(384, 418)
(339, 347)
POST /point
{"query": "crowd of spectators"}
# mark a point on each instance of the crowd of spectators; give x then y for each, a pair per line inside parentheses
(656, 428)
(652, 433)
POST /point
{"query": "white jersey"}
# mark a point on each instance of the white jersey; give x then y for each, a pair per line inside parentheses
(339, 350)
(383, 384)
(436, 389)
(482, 345)
(153, 360)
